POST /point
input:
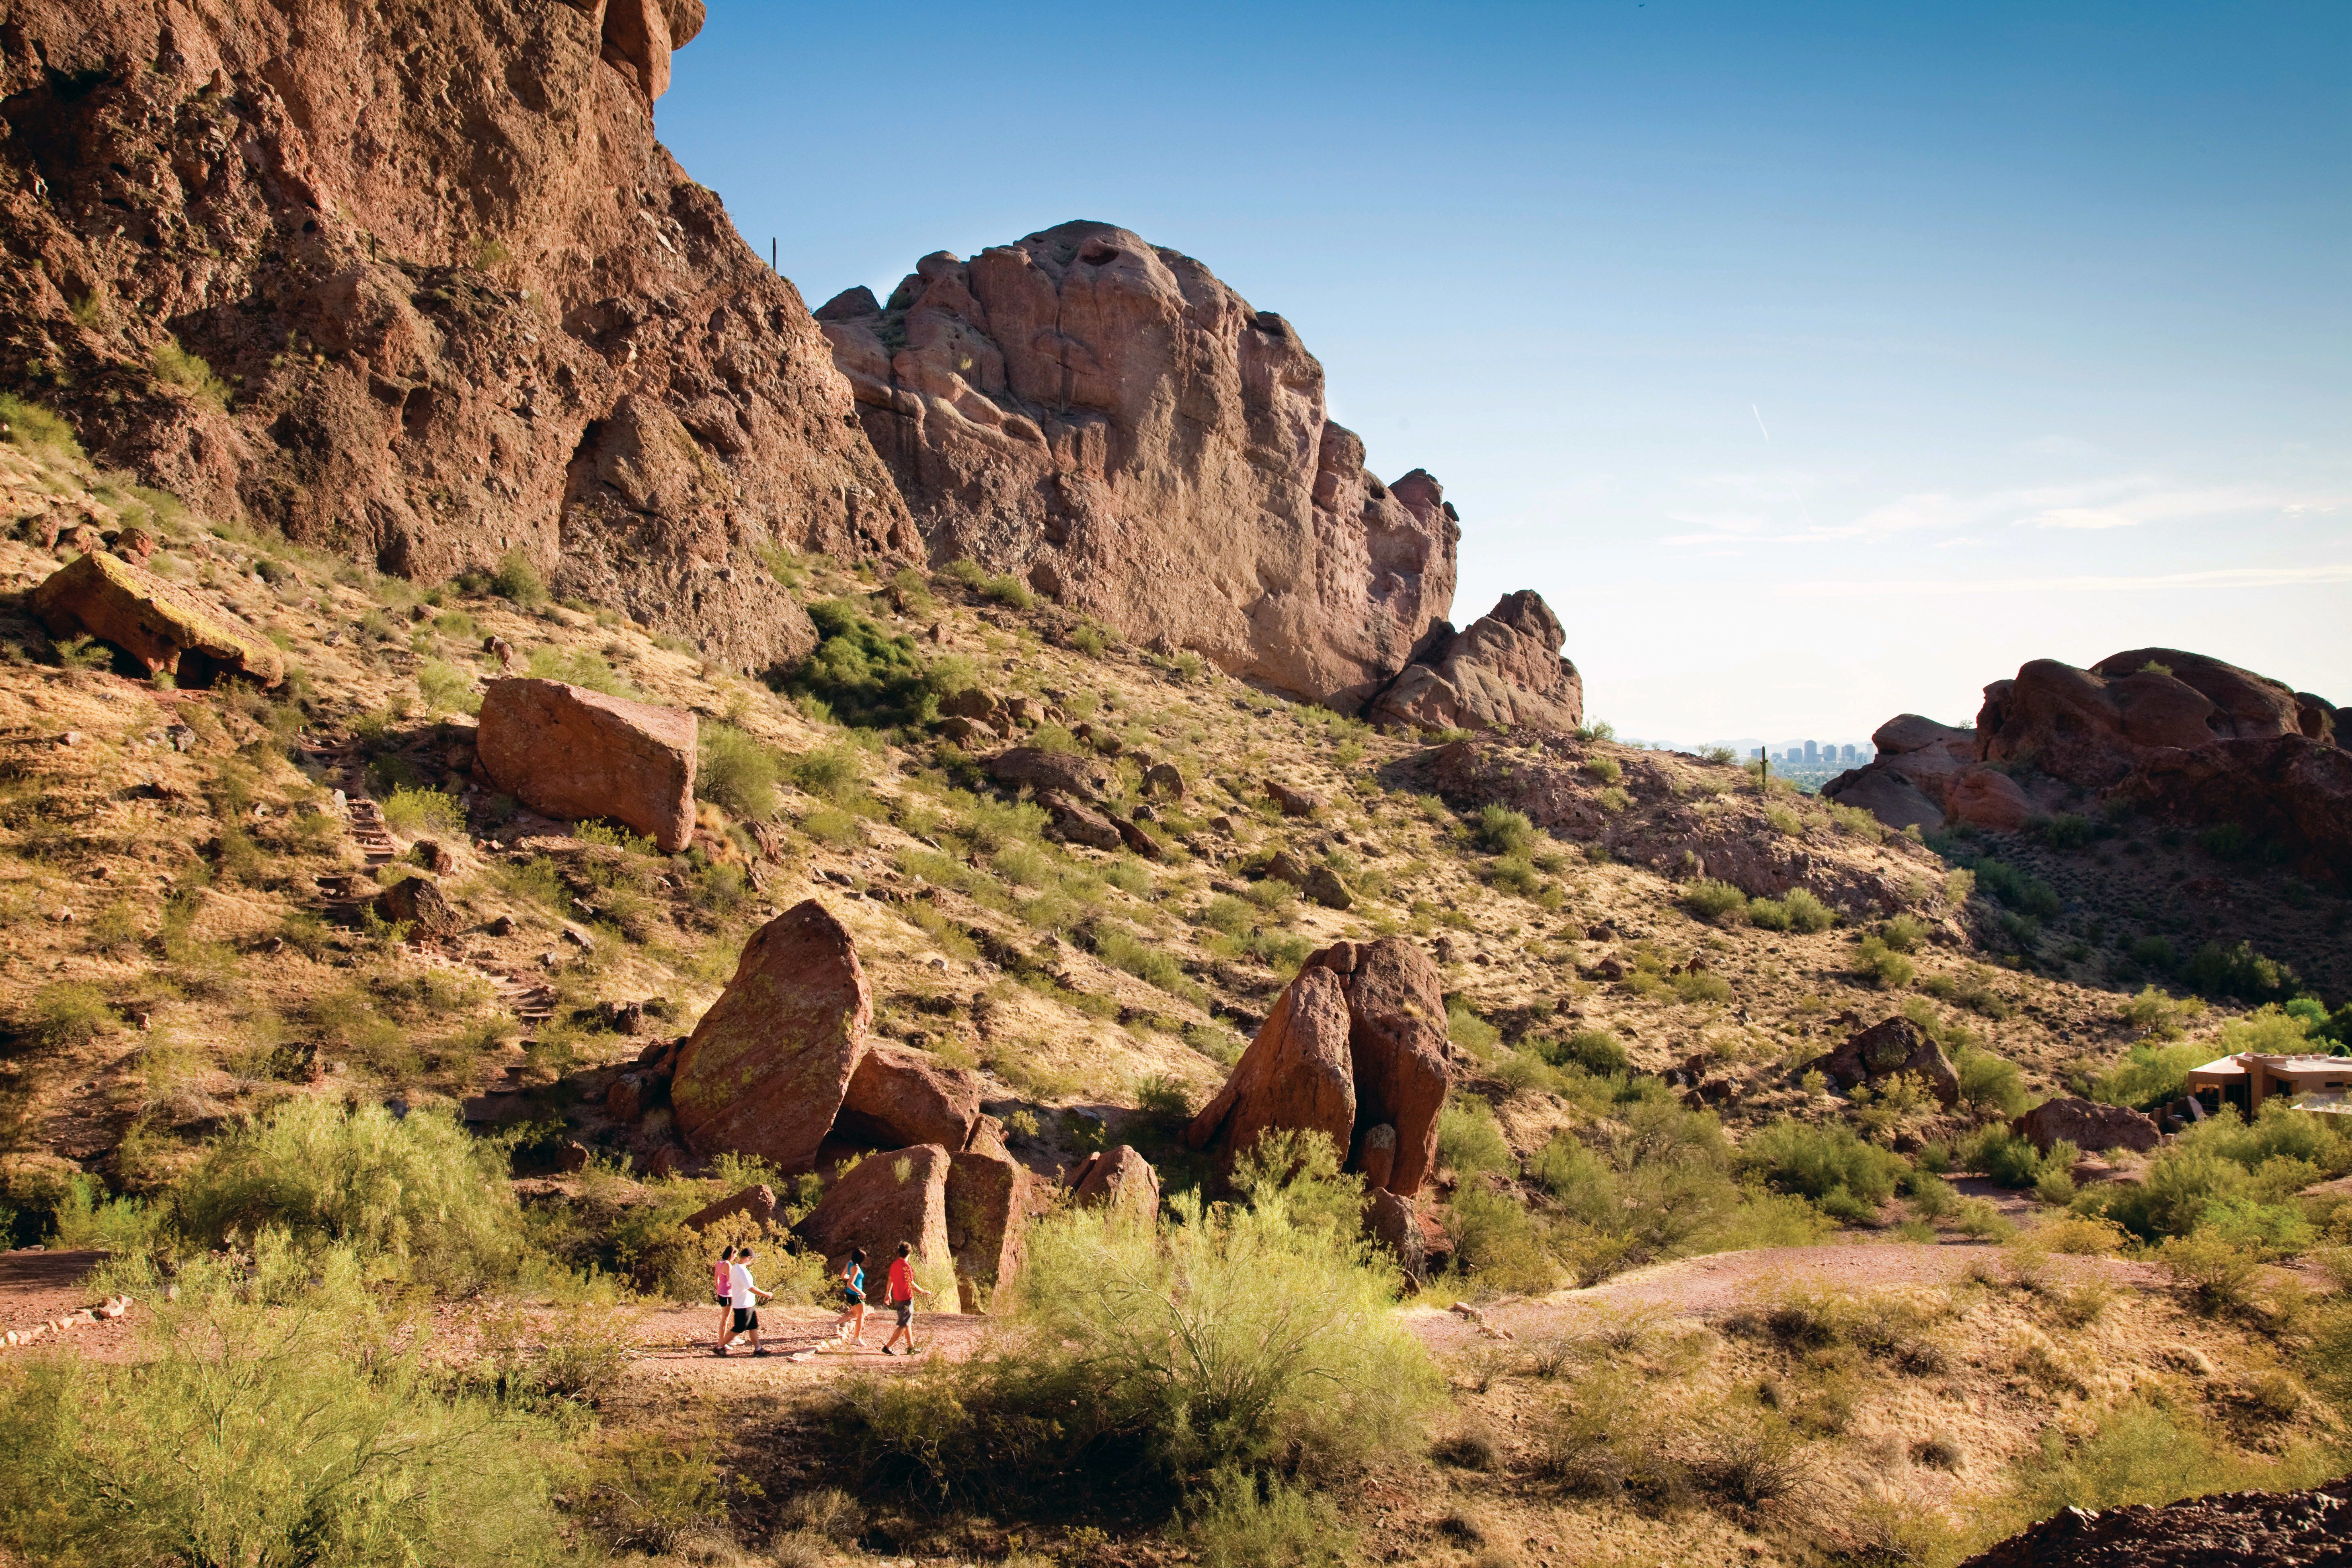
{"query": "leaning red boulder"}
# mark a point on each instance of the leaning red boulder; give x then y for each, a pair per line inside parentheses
(573, 753)
(896, 1096)
(1396, 1041)
(1296, 1074)
(1118, 1179)
(768, 1067)
(988, 1205)
(161, 626)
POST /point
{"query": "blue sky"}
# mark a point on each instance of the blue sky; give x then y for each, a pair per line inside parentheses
(1817, 364)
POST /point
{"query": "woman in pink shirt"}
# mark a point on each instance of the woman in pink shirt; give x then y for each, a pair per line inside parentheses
(720, 1282)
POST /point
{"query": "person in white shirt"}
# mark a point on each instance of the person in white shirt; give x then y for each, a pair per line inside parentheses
(744, 1292)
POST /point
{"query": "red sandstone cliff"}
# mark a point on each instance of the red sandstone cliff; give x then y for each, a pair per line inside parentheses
(461, 300)
(1105, 418)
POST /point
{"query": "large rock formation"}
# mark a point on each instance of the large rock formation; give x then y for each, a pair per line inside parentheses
(1504, 672)
(2188, 737)
(898, 1195)
(2088, 1125)
(1889, 1049)
(1355, 1048)
(573, 753)
(457, 299)
(1105, 418)
(2224, 1530)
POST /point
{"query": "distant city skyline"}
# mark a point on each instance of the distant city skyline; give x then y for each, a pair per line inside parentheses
(1818, 364)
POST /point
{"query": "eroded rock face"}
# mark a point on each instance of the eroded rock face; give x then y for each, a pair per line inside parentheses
(573, 753)
(766, 1069)
(1504, 672)
(2087, 1125)
(897, 1195)
(1105, 418)
(2189, 738)
(463, 300)
(161, 624)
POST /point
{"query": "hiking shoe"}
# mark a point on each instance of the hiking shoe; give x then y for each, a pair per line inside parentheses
(758, 1352)
(721, 1353)
(887, 1350)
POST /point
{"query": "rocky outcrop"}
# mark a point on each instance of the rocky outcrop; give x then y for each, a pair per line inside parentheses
(2227, 1530)
(573, 753)
(1884, 1050)
(1355, 1048)
(781, 1061)
(163, 627)
(1104, 418)
(414, 902)
(1391, 1221)
(1061, 773)
(765, 1070)
(757, 1203)
(2188, 738)
(1118, 1179)
(451, 297)
(897, 1095)
(1504, 672)
(2088, 1125)
(988, 1209)
(895, 1196)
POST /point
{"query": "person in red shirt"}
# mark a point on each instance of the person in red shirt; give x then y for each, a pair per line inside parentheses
(903, 1291)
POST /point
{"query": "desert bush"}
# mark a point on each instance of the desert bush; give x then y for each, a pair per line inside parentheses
(836, 773)
(517, 580)
(1903, 933)
(2140, 1451)
(861, 673)
(2027, 895)
(2238, 971)
(1829, 1166)
(412, 811)
(2150, 1075)
(1152, 965)
(1595, 1051)
(2002, 1155)
(1711, 900)
(270, 1418)
(1796, 911)
(648, 1490)
(174, 366)
(1469, 1139)
(418, 1193)
(68, 1014)
(1882, 966)
(447, 689)
(1230, 1338)
(1467, 1029)
(736, 772)
(1502, 831)
(1240, 1520)
(34, 428)
(1990, 1085)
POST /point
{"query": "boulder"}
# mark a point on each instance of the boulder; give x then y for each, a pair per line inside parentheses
(895, 1196)
(416, 903)
(2087, 1125)
(1504, 671)
(1062, 772)
(1398, 1047)
(1292, 802)
(766, 1069)
(1288, 868)
(1986, 797)
(161, 624)
(1161, 778)
(1076, 823)
(1104, 418)
(1376, 1154)
(972, 702)
(758, 1201)
(1136, 838)
(573, 753)
(1391, 1221)
(987, 1205)
(897, 1096)
(1120, 1179)
(1296, 1074)
(1892, 1047)
(1324, 886)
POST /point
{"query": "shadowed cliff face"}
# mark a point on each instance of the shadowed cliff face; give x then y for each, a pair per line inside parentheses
(460, 300)
(1107, 419)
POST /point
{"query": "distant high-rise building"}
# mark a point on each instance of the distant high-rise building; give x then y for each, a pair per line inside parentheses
(1793, 754)
(1813, 753)
(1846, 754)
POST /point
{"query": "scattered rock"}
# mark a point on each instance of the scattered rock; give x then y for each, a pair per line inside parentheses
(1390, 1220)
(435, 857)
(1076, 823)
(1885, 1049)
(1324, 887)
(1288, 868)
(758, 1202)
(1504, 672)
(573, 753)
(899, 1097)
(1118, 1178)
(2225, 1530)
(1292, 802)
(1161, 778)
(416, 903)
(767, 1067)
(2088, 1125)
(1064, 773)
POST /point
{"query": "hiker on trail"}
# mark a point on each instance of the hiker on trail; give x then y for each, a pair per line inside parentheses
(903, 1291)
(851, 1330)
(722, 1281)
(745, 1294)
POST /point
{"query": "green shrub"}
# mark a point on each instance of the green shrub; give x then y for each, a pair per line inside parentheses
(517, 580)
(2001, 1154)
(35, 428)
(1239, 1521)
(2239, 970)
(1495, 1241)
(1711, 900)
(836, 773)
(1830, 1167)
(862, 674)
(2027, 895)
(2152, 1014)
(1594, 1050)
(736, 772)
(274, 1416)
(417, 1192)
(1232, 1338)
(1990, 1085)
(1502, 831)
(86, 1220)
(68, 1014)
(174, 366)
(1882, 966)
(2152, 952)
(1797, 911)
(1468, 1140)
(1467, 1029)
(1903, 933)
(1604, 770)
(447, 689)
(412, 811)
(1152, 965)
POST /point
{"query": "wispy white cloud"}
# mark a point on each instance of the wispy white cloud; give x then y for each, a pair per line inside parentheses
(2222, 577)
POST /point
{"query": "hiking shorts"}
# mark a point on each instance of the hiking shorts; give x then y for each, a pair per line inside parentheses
(906, 1310)
(746, 1319)
(853, 1297)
